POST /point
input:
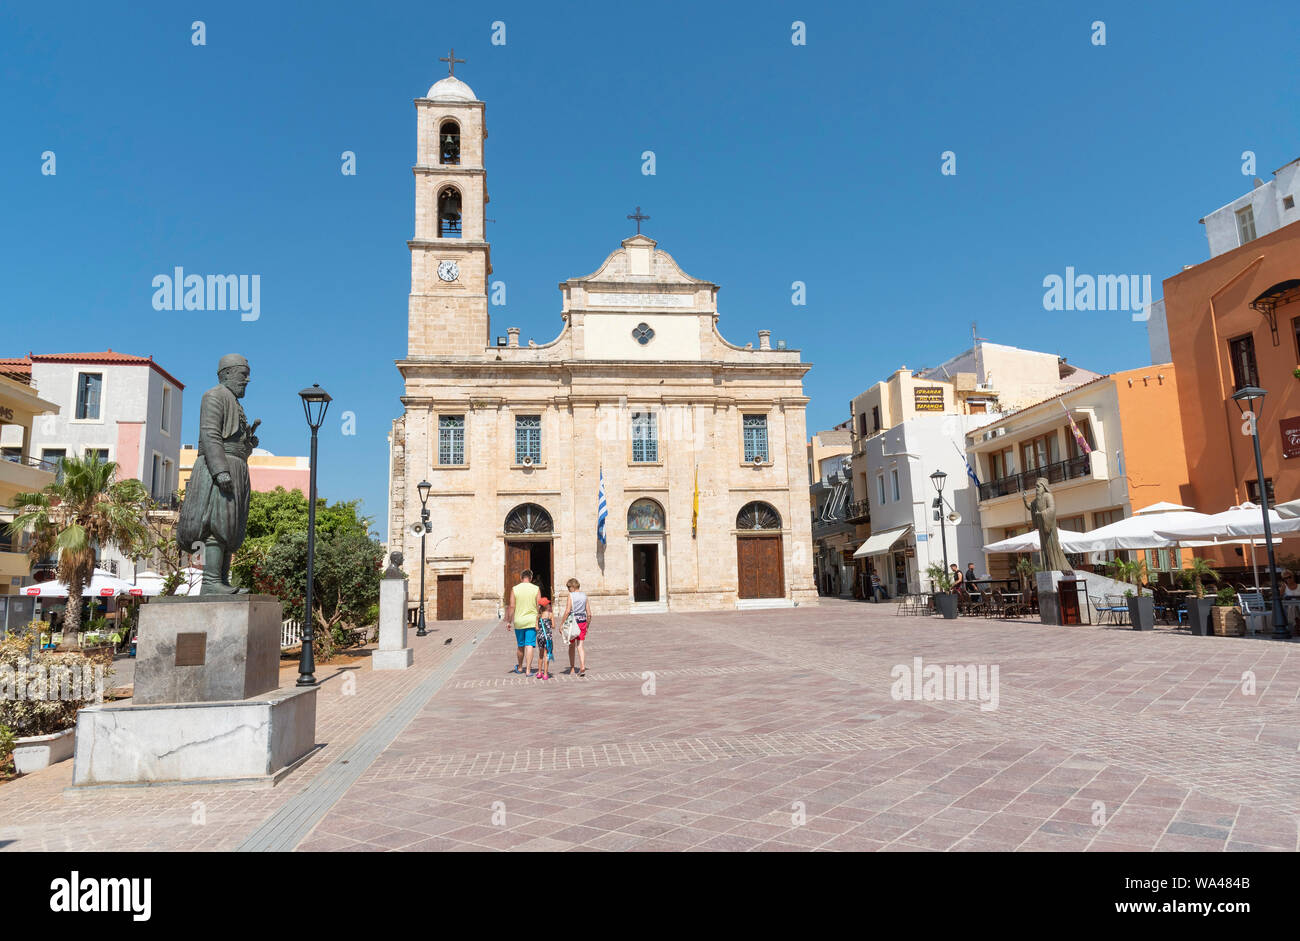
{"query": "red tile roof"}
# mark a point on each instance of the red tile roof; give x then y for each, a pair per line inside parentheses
(105, 358)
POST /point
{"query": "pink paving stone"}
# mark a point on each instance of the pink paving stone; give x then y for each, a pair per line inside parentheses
(799, 709)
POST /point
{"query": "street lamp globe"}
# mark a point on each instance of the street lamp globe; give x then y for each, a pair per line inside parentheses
(938, 478)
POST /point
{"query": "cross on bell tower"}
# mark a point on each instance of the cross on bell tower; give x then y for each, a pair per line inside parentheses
(639, 219)
(451, 60)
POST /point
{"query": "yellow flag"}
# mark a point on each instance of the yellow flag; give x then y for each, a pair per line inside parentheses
(695, 503)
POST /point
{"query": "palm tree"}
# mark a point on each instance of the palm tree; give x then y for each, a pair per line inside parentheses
(1198, 570)
(86, 507)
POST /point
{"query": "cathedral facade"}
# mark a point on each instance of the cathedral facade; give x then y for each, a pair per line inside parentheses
(639, 451)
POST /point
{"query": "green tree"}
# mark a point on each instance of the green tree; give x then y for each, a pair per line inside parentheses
(273, 560)
(87, 507)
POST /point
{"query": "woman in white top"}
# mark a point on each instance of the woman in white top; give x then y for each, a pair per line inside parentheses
(577, 605)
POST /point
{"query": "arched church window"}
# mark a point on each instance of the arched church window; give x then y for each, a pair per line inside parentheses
(449, 213)
(758, 515)
(645, 516)
(449, 143)
(528, 519)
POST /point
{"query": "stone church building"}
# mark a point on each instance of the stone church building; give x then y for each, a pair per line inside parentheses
(639, 386)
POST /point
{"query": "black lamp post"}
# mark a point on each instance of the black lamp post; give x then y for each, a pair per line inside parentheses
(938, 478)
(1250, 400)
(315, 401)
(424, 487)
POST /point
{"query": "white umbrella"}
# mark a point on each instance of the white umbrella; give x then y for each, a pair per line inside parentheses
(1140, 531)
(1235, 525)
(1028, 542)
(151, 583)
(101, 585)
(1238, 522)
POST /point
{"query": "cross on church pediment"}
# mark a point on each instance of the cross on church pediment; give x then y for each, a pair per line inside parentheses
(639, 219)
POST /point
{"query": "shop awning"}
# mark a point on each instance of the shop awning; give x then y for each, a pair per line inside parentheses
(880, 542)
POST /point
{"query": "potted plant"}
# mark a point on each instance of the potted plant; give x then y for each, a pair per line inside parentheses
(1026, 568)
(945, 602)
(1141, 608)
(1226, 616)
(1199, 607)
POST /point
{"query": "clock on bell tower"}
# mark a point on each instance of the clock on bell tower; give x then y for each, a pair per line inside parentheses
(450, 256)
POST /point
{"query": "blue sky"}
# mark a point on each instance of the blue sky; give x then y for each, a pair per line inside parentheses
(775, 163)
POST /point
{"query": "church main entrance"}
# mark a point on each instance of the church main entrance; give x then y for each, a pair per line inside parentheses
(528, 533)
(645, 571)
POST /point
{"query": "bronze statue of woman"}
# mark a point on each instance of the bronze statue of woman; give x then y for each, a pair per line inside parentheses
(1043, 510)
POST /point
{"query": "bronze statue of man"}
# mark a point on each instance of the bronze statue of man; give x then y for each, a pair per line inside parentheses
(1043, 510)
(215, 511)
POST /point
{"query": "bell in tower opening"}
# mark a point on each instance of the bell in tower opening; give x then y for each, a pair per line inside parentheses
(449, 213)
(449, 143)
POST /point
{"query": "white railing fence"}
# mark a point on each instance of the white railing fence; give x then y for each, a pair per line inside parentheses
(290, 633)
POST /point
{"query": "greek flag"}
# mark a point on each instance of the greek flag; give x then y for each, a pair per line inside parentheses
(602, 509)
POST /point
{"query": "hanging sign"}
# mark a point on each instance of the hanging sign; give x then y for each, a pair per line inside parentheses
(1290, 437)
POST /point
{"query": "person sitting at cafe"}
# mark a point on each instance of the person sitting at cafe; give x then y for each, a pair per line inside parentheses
(1290, 590)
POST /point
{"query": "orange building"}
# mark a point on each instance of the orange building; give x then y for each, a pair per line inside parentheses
(1234, 321)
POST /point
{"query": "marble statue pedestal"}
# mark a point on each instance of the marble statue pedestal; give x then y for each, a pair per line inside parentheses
(253, 741)
(1049, 604)
(393, 654)
(208, 648)
(207, 707)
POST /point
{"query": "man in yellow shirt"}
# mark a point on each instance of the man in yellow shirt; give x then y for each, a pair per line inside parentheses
(521, 614)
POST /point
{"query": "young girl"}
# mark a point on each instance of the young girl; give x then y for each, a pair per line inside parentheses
(545, 644)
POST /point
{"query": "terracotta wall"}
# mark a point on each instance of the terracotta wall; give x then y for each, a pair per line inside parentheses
(1152, 431)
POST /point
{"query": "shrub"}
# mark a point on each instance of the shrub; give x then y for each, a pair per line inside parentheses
(31, 716)
(1226, 598)
(6, 745)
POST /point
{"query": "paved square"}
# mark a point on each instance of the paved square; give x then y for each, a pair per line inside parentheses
(770, 730)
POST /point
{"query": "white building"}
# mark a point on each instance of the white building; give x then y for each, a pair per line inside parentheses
(1266, 208)
(124, 408)
(905, 536)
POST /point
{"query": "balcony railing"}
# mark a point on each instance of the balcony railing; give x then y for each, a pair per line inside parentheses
(858, 511)
(169, 501)
(49, 466)
(1071, 469)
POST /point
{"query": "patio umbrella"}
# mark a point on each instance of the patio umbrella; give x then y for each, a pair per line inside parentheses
(101, 585)
(151, 583)
(1143, 530)
(1238, 522)
(1028, 542)
(1238, 525)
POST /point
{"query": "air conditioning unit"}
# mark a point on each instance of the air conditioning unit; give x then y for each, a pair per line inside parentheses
(994, 433)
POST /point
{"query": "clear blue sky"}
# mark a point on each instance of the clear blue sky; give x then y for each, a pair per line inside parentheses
(775, 163)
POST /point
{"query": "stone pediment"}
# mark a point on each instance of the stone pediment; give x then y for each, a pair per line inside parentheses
(638, 262)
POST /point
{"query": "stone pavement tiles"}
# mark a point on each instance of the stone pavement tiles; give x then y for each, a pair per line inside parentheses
(776, 730)
(768, 730)
(36, 813)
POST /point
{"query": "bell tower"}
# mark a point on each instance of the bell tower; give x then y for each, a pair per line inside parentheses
(450, 256)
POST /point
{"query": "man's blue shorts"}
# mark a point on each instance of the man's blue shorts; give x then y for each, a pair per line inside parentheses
(526, 637)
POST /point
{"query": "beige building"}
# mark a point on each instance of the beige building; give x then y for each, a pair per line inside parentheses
(639, 386)
(19, 473)
(928, 414)
(1133, 458)
(266, 471)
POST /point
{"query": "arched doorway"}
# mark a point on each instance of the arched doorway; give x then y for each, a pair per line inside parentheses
(645, 535)
(528, 534)
(760, 567)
